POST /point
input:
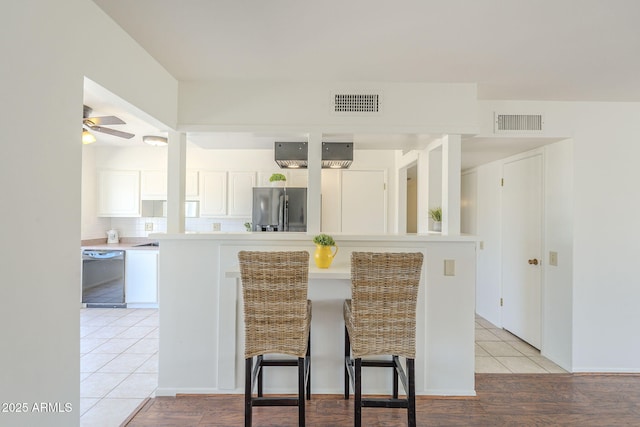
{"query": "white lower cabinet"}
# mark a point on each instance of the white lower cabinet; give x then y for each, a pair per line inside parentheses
(141, 278)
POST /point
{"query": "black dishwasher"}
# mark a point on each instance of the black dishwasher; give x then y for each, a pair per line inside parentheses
(103, 278)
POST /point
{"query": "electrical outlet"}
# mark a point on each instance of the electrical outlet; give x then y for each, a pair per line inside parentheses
(449, 267)
(553, 258)
(148, 226)
(216, 226)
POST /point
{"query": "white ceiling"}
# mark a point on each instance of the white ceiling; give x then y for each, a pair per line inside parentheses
(574, 50)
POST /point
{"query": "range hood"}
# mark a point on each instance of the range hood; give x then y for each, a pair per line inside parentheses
(291, 154)
(335, 155)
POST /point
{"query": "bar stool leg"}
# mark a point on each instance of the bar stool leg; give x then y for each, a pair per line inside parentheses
(347, 355)
(247, 391)
(411, 393)
(259, 364)
(358, 394)
(395, 377)
(301, 401)
(308, 367)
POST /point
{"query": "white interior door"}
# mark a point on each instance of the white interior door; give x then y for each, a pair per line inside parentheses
(363, 202)
(521, 248)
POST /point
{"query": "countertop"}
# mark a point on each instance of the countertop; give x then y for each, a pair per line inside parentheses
(125, 244)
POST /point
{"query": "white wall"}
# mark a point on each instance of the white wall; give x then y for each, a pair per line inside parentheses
(557, 297)
(605, 278)
(420, 108)
(488, 282)
(603, 284)
(46, 51)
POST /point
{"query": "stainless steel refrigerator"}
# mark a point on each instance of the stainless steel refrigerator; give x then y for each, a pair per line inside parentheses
(279, 209)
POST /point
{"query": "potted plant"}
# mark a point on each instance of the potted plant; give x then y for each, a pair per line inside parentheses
(436, 215)
(277, 179)
(323, 255)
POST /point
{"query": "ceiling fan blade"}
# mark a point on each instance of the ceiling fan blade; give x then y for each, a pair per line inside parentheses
(113, 132)
(106, 120)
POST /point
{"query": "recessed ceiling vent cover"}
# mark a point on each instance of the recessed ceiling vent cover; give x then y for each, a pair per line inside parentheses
(512, 123)
(356, 103)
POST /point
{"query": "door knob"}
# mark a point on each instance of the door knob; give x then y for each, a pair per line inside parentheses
(533, 261)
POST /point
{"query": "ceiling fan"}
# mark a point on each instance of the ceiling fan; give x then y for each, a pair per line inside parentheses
(95, 124)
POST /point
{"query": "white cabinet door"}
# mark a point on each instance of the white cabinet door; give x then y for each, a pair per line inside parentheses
(118, 193)
(241, 193)
(331, 199)
(297, 178)
(213, 198)
(141, 277)
(191, 185)
(154, 185)
(363, 202)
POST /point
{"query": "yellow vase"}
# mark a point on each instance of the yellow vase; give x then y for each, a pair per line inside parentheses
(324, 256)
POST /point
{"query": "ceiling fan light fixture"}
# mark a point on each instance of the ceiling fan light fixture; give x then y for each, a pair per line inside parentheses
(156, 141)
(87, 137)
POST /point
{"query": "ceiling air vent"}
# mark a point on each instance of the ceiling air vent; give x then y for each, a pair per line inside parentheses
(511, 123)
(356, 103)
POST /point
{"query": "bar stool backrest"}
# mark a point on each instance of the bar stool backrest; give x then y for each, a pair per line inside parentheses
(384, 292)
(274, 287)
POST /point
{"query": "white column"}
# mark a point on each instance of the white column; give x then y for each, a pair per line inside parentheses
(423, 191)
(314, 201)
(176, 173)
(451, 169)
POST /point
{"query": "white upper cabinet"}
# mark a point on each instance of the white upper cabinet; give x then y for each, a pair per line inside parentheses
(213, 193)
(295, 178)
(241, 193)
(118, 193)
(191, 185)
(154, 185)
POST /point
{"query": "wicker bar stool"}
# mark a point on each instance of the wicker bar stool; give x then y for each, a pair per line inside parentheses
(277, 318)
(380, 320)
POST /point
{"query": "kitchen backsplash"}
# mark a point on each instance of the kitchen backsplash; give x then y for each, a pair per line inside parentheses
(136, 227)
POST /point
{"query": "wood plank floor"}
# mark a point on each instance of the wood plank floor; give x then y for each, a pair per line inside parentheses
(502, 400)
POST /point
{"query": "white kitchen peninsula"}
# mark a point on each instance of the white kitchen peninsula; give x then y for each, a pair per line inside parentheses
(201, 330)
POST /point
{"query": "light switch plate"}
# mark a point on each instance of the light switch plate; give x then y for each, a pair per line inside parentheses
(148, 226)
(449, 267)
(553, 258)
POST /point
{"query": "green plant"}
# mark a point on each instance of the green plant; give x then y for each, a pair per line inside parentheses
(247, 226)
(277, 177)
(324, 240)
(436, 214)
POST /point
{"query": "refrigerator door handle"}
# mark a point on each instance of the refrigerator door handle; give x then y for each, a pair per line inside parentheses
(286, 213)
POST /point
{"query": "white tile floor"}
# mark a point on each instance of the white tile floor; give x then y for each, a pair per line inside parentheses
(498, 351)
(119, 360)
(118, 363)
